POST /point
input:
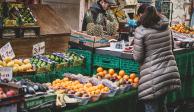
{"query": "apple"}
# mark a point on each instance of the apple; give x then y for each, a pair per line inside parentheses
(10, 93)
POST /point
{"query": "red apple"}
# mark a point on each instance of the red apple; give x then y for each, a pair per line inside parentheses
(10, 93)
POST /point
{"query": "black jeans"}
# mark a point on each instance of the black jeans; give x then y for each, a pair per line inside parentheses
(156, 105)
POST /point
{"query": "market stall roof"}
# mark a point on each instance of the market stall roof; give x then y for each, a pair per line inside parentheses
(49, 21)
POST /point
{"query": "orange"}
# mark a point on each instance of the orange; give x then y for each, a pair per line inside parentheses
(136, 80)
(99, 69)
(132, 76)
(121, 73)
(126, 77)
(130, 80)
(105, 72)
(101, 74)
(111, 71)
(115, 75)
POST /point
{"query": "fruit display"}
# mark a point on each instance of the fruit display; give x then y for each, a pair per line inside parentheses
(182, 28)
(42, 63)
(19, 65)
(47, 62)
(16, 14)
(30, 88)
(8, 93)
(9, 90)
(27, 16)
(79, 89)
(120, 78)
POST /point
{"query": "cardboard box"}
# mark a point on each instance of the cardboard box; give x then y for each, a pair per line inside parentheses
(88, 40)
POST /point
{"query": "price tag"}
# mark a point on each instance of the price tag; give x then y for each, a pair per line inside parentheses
(7, 51)
(38, 48)
(6, 73)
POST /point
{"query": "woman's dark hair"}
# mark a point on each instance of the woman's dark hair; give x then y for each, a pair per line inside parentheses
(142, 9)
(150, 17)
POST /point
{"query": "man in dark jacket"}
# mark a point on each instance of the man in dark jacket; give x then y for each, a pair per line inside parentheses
(98, 10)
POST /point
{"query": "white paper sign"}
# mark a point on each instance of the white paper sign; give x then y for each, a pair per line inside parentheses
(38, 48)
(7, 51)
(6, 73)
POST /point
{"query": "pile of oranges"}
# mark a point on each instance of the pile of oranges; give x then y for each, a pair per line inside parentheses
(182, 28)
(111, 74)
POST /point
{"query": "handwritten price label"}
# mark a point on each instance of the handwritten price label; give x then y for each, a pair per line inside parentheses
(7, 51)
(6, 73)
(38, 48)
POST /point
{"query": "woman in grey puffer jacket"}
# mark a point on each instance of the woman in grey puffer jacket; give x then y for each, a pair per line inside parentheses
(158, 69)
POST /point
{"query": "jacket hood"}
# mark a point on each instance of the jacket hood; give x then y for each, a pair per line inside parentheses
(162, 24)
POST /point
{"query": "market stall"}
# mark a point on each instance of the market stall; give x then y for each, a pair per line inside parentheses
(82, 71)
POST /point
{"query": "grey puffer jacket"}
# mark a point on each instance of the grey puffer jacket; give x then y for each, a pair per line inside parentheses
(158, 69)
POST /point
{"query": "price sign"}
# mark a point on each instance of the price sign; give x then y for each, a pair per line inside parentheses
(7, 51)
(6, 73)
(38, 48)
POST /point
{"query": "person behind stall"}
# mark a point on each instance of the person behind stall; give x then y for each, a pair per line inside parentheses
(158, 69)
(100, 7)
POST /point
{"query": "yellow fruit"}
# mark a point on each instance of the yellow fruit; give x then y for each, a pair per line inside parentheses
(29, 66)
(15, 69)
(25, 67)
(26, 61)
(1, 63)
(1, 66)
(19, 62)
(4, 64)
(20, 69)
(10, 64)
(15, 65)
(7, 59)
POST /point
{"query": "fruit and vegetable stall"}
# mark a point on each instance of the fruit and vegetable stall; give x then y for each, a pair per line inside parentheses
(96, 73)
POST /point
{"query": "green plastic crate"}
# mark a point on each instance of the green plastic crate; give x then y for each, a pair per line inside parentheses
(106, 61)
(129, 66)
(192, 63)
(87, 70)
(29, 77)
(183, 64)
(42, 78)
(39, 100)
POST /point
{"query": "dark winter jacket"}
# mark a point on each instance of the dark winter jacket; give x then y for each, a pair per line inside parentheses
(158, 69)
(96, 10)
